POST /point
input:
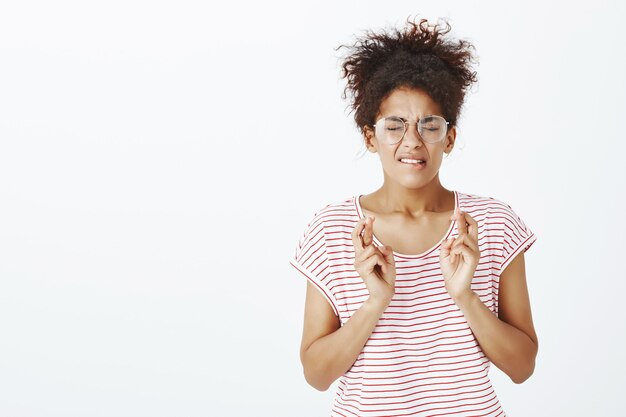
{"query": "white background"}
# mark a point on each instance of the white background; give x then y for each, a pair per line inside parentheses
(160, 160)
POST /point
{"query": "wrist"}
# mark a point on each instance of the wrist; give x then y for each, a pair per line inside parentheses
(464, 298)
(377, 305)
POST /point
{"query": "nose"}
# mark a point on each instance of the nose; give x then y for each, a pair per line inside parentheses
(412, 137)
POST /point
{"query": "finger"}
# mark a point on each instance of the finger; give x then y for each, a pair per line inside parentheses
(464, 252)
(461, 224)
(388, 255)
(445, 247)
(372, 261)
(458, 241)
(466, 241)
(453, 258)
(368, 231)
(356, 236)
(473, 226)
(366, 253)
(376, 254)
(470, 243)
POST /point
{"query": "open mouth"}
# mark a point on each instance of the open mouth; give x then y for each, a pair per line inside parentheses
(413, 162)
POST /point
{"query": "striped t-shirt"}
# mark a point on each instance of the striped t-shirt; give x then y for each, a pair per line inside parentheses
(422, 359)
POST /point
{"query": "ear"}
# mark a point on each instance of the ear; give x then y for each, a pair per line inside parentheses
(368, 137)
(450, 139)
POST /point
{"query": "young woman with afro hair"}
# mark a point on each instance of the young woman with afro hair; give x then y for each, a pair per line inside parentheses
(414, 290)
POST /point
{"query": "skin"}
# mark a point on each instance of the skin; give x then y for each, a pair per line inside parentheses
(412, 202)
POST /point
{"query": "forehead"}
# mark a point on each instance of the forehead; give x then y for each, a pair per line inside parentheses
(410, 103)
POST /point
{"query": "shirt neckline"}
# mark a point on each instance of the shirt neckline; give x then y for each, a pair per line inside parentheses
(446, 235)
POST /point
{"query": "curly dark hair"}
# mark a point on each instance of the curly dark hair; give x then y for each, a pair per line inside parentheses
(419, 57)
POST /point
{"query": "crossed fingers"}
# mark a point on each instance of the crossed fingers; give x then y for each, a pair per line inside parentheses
(363, 235)
(467, 229)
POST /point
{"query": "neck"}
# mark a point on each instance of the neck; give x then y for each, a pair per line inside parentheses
(413, 202)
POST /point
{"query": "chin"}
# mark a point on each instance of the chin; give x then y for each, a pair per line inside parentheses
(412, 180)
(414, 183)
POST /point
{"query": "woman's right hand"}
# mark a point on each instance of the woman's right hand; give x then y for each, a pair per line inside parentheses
(375, 264)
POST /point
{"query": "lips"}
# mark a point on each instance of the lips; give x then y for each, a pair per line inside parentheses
(409, 156)
(414, 164)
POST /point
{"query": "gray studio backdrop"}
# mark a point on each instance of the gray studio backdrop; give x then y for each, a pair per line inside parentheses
(160, 160)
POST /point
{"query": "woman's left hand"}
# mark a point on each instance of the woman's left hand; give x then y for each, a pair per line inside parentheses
(459, 256)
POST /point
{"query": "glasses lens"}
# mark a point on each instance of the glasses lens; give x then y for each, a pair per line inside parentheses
(393, 129)
(432, 128)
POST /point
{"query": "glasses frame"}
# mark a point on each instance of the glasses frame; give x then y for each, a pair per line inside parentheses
(418, 124)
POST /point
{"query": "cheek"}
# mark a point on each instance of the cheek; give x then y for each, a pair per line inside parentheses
(387, 158)
(436, 153)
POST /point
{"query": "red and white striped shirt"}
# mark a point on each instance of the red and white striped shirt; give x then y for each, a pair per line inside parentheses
(422, 359)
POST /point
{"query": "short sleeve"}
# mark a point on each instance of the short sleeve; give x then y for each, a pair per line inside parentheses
(517, 237)
(311, 259)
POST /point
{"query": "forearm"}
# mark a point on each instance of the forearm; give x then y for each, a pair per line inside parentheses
(507, 347)
(331, 356)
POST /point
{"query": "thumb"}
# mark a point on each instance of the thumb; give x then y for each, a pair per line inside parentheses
(388, 254)
(445, 247)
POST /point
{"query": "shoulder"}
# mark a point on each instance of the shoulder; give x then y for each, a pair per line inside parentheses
(498, 216)
(483, 204)
(493, 215)
(338, 211)
(502, 227)
(328, 222)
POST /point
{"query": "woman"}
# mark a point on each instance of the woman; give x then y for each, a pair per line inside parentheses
(411, 325)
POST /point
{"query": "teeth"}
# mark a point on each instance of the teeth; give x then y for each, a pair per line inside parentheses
(411, 161)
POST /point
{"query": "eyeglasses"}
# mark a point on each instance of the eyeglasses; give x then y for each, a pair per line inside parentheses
(431, 129)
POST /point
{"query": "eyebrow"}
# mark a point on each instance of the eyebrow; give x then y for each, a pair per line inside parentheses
(424, 117)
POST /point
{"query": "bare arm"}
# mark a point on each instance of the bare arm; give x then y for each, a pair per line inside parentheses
(328, 349)
(509, 340)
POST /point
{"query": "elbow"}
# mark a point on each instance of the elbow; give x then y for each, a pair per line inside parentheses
(313, 375)
(521, 377)
(315, 381)
(526, 371)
